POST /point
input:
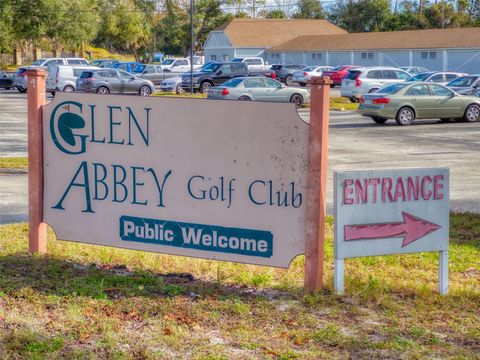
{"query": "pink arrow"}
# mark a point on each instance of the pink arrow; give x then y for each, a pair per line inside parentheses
(412, 228)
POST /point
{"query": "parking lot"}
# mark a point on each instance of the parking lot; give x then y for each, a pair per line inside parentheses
(356, 143)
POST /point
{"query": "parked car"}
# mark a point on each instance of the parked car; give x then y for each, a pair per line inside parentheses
(338, 73)
(359, 81)
(6, 80)
(179, 65)
(128, 66)
(59, 61)
(64, 77)
(413, 69)
(106, 81)
(465, 85)
(438, 77)
(152, 72)
(213, 74)
(303, 76)
(103, 63)
(284, 73)
(20, 79)
(406, 102)
(256, 65)
(172, 84)
(258, 88)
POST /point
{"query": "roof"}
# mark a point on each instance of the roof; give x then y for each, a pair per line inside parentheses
(265, 33)
(390, 40)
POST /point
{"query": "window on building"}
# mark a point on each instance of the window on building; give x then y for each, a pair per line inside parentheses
(226, 57)
(213, 57)
(316, 56)
(428, 54)
(367, 55)
(275, 55)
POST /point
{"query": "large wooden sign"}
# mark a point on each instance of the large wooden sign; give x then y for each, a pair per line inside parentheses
(219, 180)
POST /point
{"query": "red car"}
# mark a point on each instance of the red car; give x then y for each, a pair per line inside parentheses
(338, 73)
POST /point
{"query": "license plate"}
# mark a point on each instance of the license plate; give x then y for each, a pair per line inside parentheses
(367, 102)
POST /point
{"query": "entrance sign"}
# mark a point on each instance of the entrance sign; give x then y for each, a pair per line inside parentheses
(382, 212)
(213, 179)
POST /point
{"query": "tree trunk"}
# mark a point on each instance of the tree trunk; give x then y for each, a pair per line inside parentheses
(17, 56)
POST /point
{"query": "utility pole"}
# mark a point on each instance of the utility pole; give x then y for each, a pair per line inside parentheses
(191, 46)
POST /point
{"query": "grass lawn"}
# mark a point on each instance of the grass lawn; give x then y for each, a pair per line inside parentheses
(14, 163)
(85, 301)
(336, 103)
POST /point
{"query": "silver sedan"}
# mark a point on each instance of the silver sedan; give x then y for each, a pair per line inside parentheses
(258, 88)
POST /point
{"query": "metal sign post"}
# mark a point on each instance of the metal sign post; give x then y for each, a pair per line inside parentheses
(383, 212)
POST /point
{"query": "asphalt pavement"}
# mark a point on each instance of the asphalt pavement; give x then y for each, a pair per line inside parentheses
(356, 143)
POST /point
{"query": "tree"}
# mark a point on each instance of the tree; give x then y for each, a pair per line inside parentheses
(309, 9)
(6, 31)
(170, 30)
(276, 14)
(362, 15)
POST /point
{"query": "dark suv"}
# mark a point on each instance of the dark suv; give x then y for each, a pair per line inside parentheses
(213, 74)
(284, 73)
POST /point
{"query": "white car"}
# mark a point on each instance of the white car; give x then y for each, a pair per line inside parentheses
(437, 77)
(172, 85)
(360, 81)
(303, 76)
(64, 77)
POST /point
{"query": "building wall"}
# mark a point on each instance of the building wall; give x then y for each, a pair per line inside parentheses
(467, 61)
(219, 54)
(396, 58)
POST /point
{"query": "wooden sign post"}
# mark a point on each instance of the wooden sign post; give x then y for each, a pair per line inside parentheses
(317, 183)
(37, 238)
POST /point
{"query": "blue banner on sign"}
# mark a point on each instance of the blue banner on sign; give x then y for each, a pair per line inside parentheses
(197, 236)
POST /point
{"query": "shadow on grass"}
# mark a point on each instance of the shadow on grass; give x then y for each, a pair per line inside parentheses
(59, 277)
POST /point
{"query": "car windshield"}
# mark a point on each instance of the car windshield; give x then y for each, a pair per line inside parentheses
(352, 74)
(420, 77)
(391, 89)
(39, 62)
(232, 82)
(138, 68)
(463, 81)
(211, 67)
(237, 59)
(168, 62)
(86, 75)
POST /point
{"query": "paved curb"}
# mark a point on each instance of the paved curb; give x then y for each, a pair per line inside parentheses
(13, 171)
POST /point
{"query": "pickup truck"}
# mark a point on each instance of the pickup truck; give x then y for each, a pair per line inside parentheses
(256, 65)
(178, 65)
(154, 73)
(213, 74)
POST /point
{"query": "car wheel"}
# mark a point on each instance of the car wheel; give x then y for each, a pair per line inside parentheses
(244, 98)
(353, 100)
(22, 90)
(303, 84)
(205, 86)
(289, 80)
(297, 99)
(102, 90)
(379, 120)
(52, 93)
(145, 91)
(405, 116)
(472, 113)
(179, 90)
(69, 88)
(372, 90)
